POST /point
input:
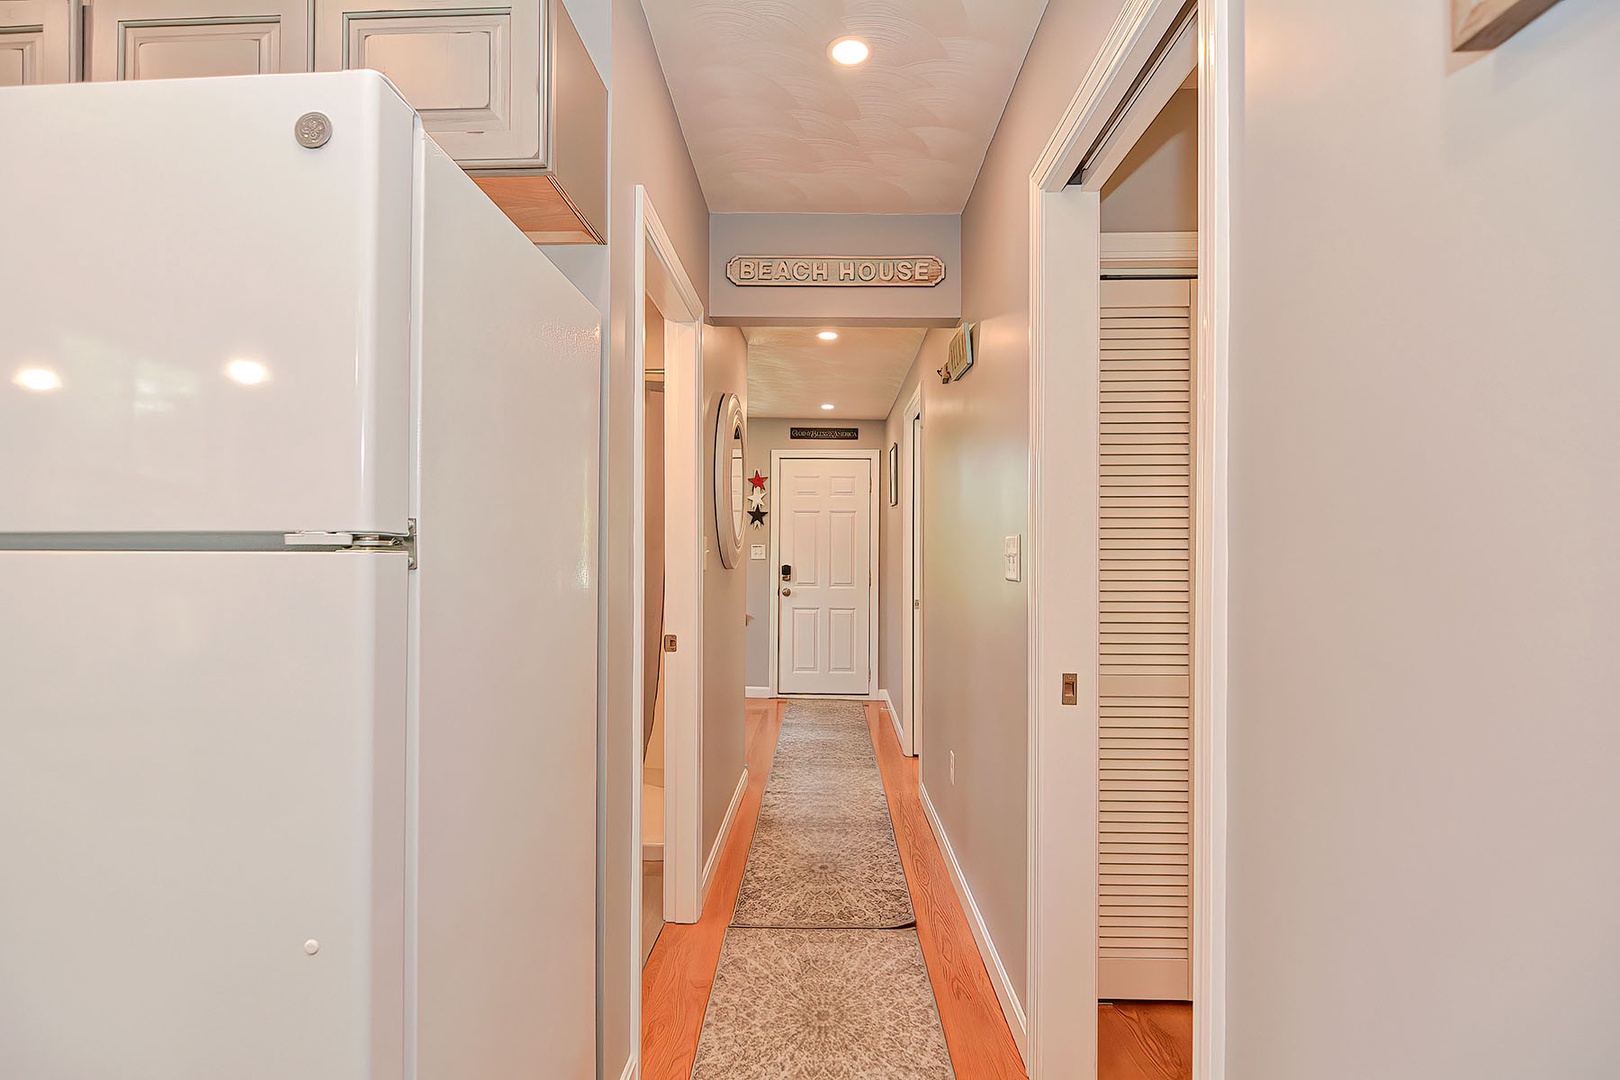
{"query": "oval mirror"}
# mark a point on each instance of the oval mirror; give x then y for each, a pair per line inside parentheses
(730, 502)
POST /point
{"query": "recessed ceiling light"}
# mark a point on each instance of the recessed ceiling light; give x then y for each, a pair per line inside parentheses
(849, 51)
(247, 372)
(38, 379)
(828, 335)
(827, 406)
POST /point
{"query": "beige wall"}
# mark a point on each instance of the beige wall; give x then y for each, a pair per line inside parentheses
(725, 370)
(1155, 189)
(976, 469)
(836, 234)
(763, 437)
(645, 148)
(1425, 501)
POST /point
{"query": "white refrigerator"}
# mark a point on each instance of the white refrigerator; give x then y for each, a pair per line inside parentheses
(298, 614)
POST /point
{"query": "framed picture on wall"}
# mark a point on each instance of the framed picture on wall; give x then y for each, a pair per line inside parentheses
(894, 474)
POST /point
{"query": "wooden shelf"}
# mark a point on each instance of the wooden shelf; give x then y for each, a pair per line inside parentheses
(537, 206)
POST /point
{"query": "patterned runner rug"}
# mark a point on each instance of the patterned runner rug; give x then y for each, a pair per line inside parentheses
(823, 854)
(822, 1005)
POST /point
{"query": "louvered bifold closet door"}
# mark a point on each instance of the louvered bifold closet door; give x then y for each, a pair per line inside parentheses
(1145, 662)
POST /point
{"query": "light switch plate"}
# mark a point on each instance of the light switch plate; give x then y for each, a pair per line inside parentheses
(1012, 556)
(756, 551)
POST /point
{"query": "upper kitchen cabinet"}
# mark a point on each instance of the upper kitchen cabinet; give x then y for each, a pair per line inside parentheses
(178, 39)
(39, 41)
(509, 91)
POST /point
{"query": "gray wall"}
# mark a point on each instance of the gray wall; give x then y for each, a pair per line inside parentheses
(1425, 501)
(725, 370)
(763, 437)
(1155, 189)
(976, 467)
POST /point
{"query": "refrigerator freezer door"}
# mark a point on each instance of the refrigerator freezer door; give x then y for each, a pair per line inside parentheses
(507, 673)
(210, 329)
(202, 810)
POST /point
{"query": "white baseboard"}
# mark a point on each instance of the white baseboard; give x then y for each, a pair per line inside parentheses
(631, 1070)
(720, 840)
(759, 691)
(894, 714)
(1010, 1006)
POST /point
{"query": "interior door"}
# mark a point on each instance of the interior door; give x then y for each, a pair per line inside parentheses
(914, 698)
(1145, 663)
(824, 569)
(188, 39)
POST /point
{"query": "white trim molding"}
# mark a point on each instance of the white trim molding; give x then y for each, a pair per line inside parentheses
(1005, 993)
(894, 717)
(875, 589)
(725, 831)
(657, 272)
(1147, 253)
(1065, 266)
(632, 1070)
(758, 692)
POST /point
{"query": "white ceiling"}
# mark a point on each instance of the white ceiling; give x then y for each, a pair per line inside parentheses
(774, 126)
(791, 372)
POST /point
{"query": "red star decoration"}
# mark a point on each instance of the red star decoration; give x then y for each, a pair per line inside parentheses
(757, 480)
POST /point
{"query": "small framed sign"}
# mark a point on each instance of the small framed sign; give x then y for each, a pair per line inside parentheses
(825, 434)
(894, 474)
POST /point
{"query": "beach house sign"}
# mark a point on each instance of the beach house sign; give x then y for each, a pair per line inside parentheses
(848, 271)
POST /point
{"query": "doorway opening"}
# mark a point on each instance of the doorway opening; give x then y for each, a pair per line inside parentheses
(831, 527)
(667, 586)
(1128, 595)
(909, 475)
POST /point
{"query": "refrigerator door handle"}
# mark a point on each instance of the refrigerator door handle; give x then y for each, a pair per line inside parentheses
(320, 540)
(316, 538)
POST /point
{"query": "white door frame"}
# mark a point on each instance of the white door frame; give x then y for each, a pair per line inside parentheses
(775, 568)
(910, 515)
(659, 274)
(1065, 246)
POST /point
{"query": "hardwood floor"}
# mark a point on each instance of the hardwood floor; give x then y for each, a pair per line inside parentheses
(1144, 1040)
(1137, 1041)
(975, 1029)
(676, 979)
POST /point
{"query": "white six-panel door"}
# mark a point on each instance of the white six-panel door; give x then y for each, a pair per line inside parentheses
(824, 636)
(1145, 664)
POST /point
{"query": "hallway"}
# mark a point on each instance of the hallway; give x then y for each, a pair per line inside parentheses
(1138, 1042)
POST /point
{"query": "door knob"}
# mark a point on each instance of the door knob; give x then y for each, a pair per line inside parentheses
(787, 592)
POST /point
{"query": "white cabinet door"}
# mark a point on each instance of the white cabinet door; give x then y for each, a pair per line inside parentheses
(477, 76)
(39, 41)
(186, 39)
(824, 634)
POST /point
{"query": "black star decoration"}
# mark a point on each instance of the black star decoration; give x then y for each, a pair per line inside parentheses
(757, 516)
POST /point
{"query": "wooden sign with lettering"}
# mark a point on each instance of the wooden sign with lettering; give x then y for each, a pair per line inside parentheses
(836, 434)
(849, 271)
